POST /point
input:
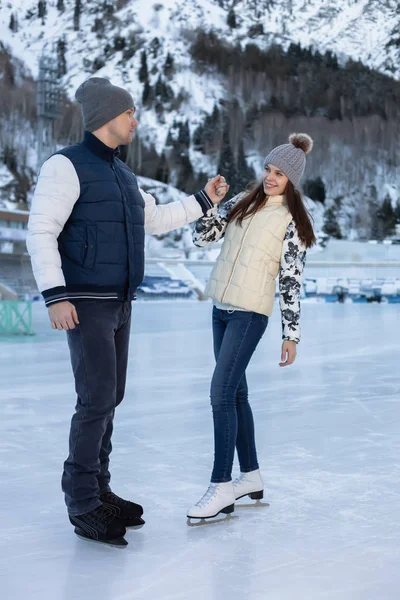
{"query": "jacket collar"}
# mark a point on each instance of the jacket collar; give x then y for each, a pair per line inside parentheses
(97, 147)
(277, 200)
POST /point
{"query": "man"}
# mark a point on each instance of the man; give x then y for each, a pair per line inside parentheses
(86, 240)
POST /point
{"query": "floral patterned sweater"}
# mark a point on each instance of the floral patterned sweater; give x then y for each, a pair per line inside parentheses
(211, 227)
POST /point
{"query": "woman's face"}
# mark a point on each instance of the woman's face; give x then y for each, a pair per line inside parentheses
(274, 181)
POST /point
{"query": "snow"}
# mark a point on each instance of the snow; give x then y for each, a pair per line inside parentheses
(328, 442)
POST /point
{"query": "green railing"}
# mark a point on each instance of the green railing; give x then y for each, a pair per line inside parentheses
(15, 317)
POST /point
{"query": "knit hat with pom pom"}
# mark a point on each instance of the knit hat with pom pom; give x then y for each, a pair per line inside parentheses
(291, 158)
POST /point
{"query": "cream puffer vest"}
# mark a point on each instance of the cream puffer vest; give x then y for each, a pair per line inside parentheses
(246, 269)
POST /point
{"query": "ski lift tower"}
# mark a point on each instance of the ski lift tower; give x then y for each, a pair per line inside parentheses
(48, 106)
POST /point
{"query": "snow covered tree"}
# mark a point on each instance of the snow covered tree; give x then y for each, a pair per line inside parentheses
(147, 93)
(231, 19)
(61, 59)
(244, 173)
(143, 71)
(315, 189)
(60, 6)
(186, 174)
(226, 164)
(184, 136)
(169, 66)
(155, 47)
(386, 218)
(77, 14)
(397, 211)
(13, 23)
(119, 43)
(42, 9)
(162, 173)
(331, 225)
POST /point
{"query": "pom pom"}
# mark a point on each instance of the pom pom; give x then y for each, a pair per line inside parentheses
(302, 141)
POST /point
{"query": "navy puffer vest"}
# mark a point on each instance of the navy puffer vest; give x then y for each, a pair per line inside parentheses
(102, 243)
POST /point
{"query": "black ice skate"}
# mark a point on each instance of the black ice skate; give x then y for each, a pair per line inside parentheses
(129, 512)
(100, 525)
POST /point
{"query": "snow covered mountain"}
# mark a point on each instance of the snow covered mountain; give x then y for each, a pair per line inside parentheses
(365, 30)
(358, 159)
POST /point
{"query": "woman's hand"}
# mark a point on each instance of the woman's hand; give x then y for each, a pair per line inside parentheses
(217, 188)
(289, 351)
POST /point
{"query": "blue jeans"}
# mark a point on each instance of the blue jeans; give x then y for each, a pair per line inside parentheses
(99, 356)
(236, 336)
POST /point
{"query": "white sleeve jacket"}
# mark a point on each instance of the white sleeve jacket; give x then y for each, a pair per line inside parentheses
(56, 193)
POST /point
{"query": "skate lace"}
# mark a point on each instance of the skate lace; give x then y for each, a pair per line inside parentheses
(102, 515)
(208, 496)
(239, 479)
(114, 499)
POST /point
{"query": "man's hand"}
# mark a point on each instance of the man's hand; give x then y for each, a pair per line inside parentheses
(289, 350)
(217, 188)
(63, 315)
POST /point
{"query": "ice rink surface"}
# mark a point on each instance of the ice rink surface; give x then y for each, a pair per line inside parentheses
(328, 433)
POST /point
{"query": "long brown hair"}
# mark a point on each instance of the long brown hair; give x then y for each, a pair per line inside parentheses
(256, 199)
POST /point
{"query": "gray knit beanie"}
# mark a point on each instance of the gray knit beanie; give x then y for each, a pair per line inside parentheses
(291, 158)
(101, 102)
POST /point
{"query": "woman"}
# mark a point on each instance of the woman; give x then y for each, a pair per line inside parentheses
(267, 231)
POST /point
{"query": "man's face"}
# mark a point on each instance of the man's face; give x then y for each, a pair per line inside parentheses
(123, 127)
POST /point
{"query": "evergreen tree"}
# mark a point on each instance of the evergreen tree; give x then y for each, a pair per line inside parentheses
(119, 43)
(186, 173)
(108, 8)
(62, 61)
(13, 23)
(315, 189)
(198, 135)
(373, 208)
(60, 6)
(77, 14)
(244, 173)
(147, 93)
(163, 92)
(231, 19)
(169, 66)
(143, 71)
(162, 173)
(226, 164)
(397, 211)
(155, 47)
(184, 137)
(331, 226)
(331, 60)
(386, 219)
(42, 9)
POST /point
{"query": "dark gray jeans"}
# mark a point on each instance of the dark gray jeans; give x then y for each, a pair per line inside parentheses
(99, 358)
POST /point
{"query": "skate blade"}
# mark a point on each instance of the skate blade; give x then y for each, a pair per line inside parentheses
(208, 521)
(116, 543)
(257, 503)
(135, 523)
(227, 510)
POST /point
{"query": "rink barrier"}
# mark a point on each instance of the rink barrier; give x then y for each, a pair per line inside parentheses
(15, 317)
(331, 280)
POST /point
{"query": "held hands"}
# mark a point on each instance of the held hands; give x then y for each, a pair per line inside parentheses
(289, 350)
(217, 188)
(63, 315)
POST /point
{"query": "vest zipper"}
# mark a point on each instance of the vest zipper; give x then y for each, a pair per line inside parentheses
(236, 259)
